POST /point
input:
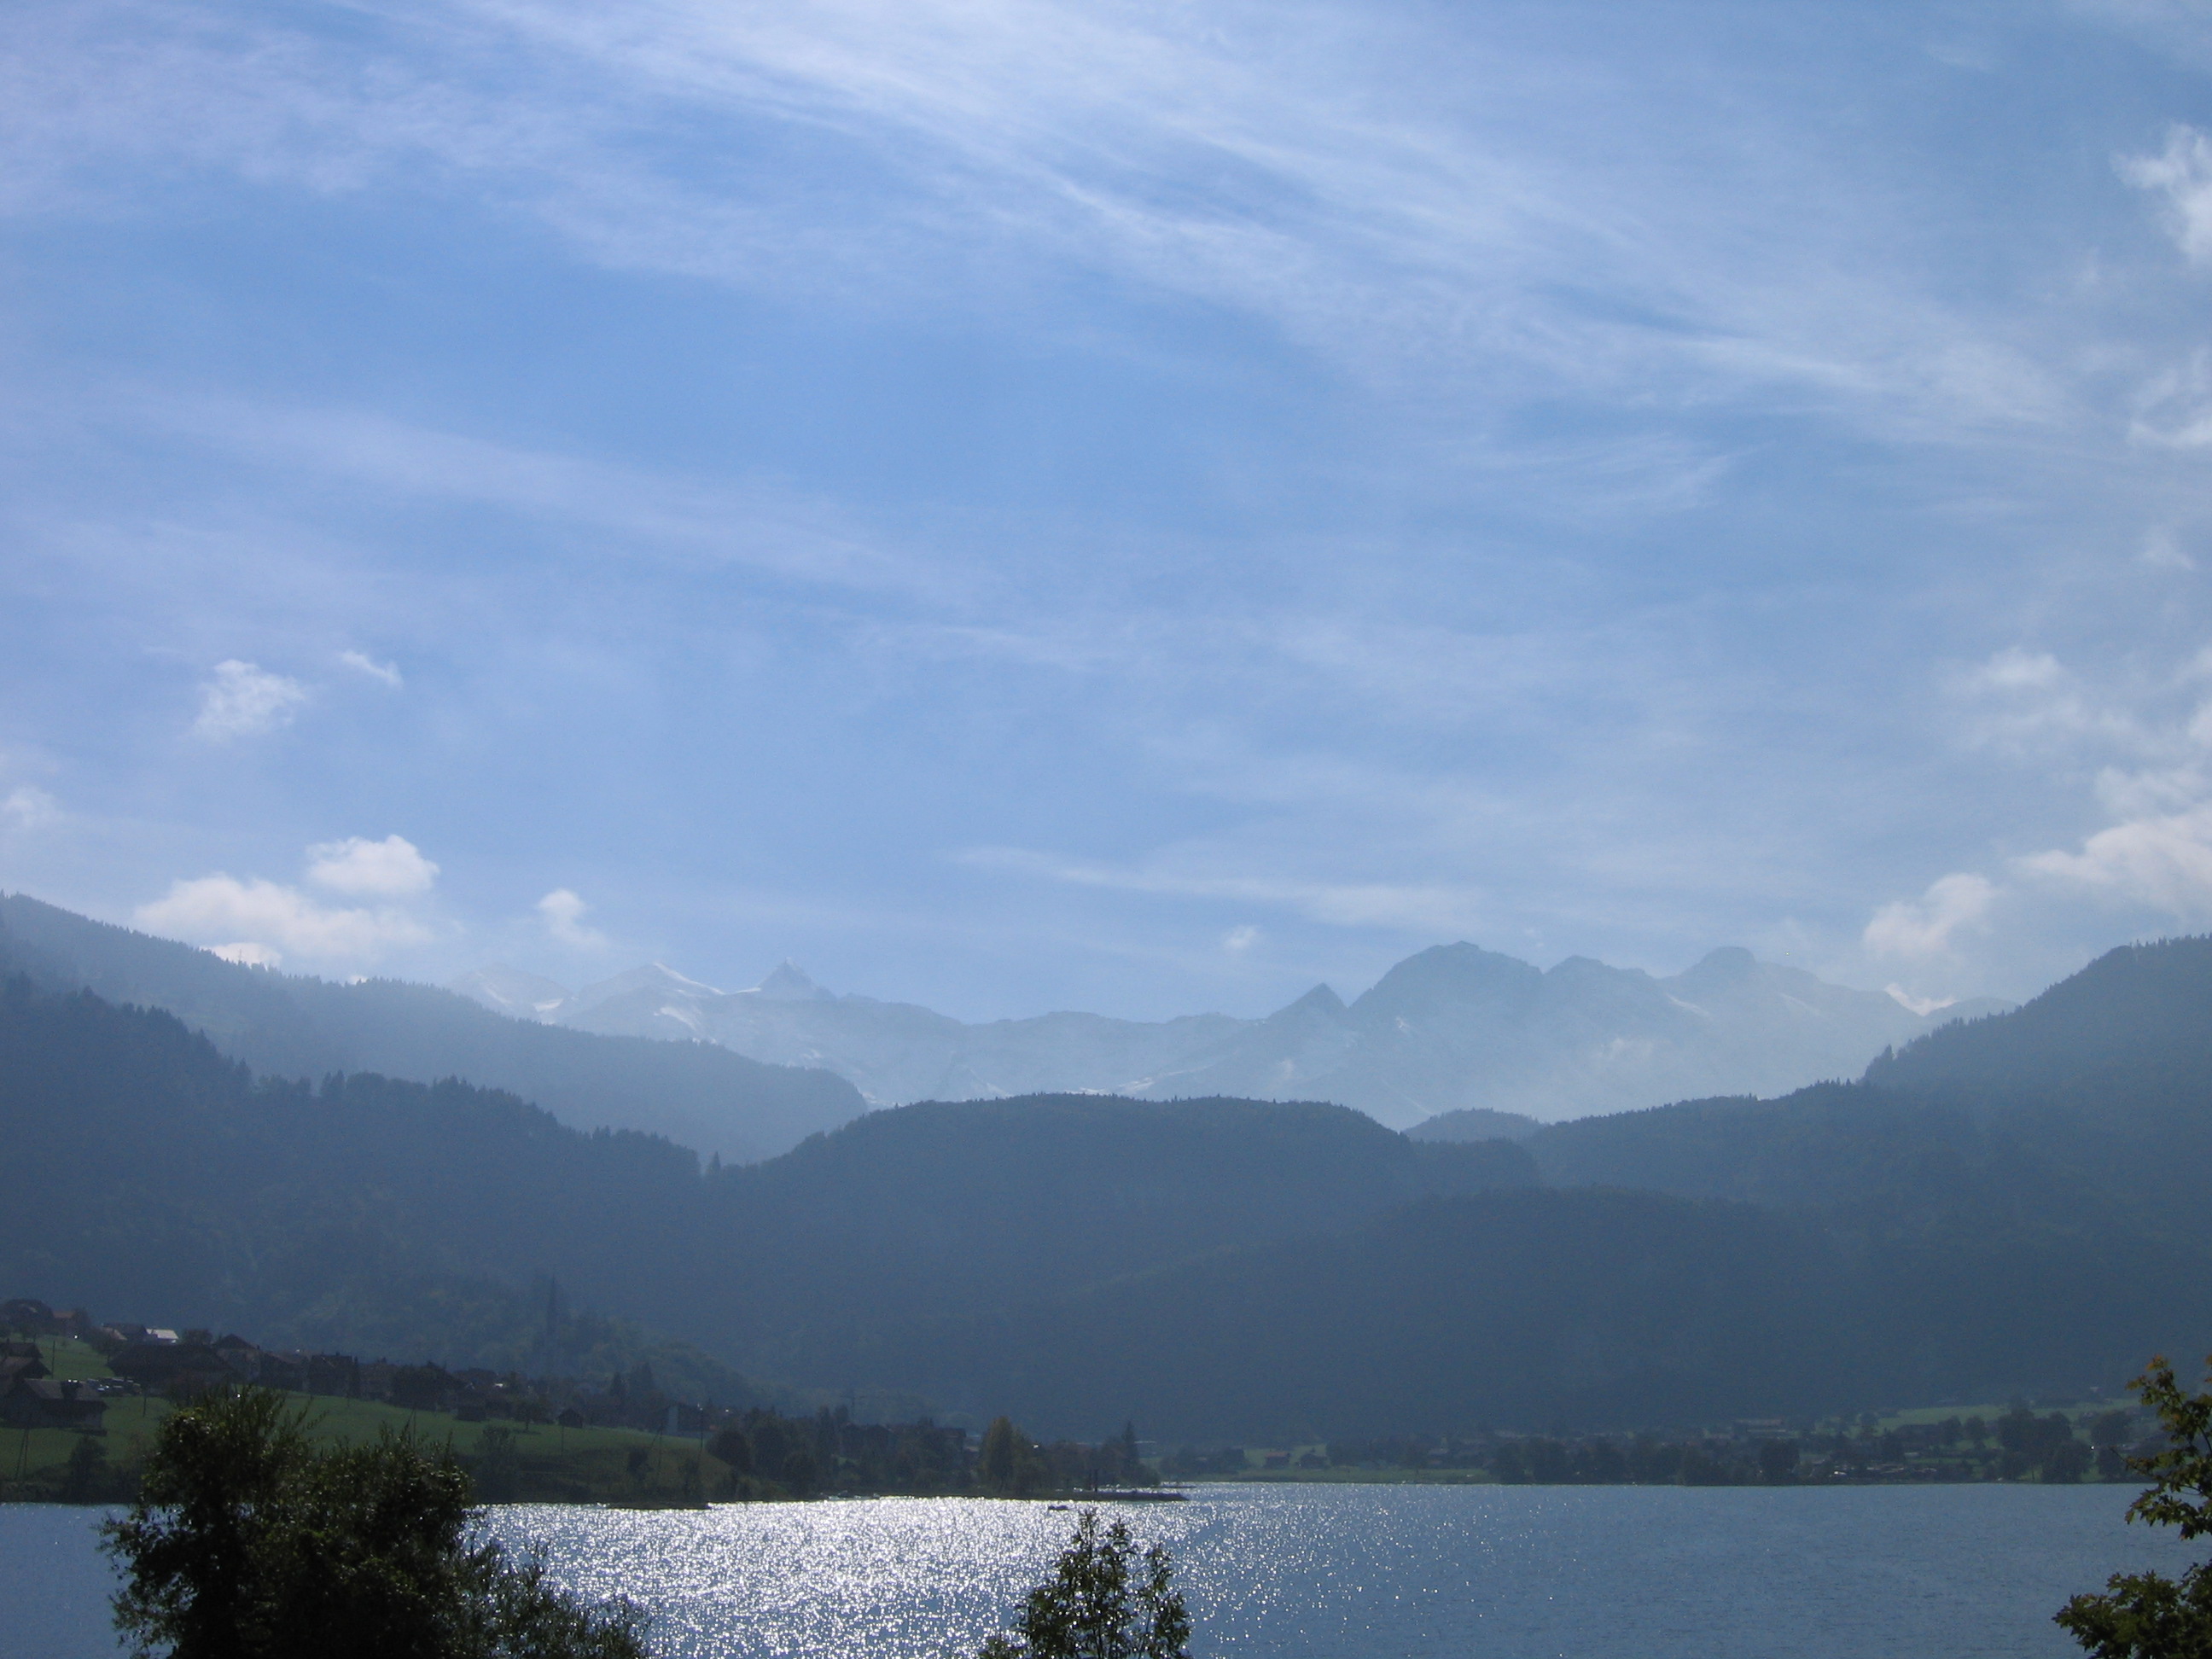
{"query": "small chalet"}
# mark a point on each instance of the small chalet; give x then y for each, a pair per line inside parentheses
(44, 1403)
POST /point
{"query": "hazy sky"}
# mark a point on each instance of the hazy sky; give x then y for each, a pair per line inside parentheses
(1131, 507)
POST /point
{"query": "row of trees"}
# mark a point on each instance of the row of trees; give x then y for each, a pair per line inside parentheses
(249, 1542)
(1012, 1465)
(769, 1455)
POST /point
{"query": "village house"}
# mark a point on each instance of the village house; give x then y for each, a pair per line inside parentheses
(45, 1403)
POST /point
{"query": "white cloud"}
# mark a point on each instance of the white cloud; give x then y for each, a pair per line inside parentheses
(261, 923)
(1240, 940)
(1923, 926)
(1923, 1006)
(390, 868)
(2182, 173)
(360, 663)
(2015, 670)
(2165, 862)
(28, 808)
(265, 915)
(563, 914)
(2022, 700)
(248, 954)
(244, 700)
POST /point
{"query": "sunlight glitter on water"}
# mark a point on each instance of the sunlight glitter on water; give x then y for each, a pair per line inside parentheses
(826, 1580)
(1305, 1572)
(1389, 1573)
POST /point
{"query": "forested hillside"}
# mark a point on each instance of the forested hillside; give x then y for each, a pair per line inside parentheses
(286, 1025)
(940, 1210)
(1217, 1268)
(149, 1176)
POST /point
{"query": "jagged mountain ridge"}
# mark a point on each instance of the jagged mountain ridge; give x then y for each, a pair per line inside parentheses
(1455, 1028)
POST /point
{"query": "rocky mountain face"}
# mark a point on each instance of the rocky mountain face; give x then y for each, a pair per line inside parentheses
(1453, 1029)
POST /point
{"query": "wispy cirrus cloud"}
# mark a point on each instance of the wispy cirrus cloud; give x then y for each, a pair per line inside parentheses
(1403, 202)
(660, 515)
(1433, 908)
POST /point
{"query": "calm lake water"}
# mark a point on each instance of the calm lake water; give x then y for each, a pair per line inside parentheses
(1307, 1572)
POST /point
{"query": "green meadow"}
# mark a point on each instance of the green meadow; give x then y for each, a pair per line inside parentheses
(512, 1462)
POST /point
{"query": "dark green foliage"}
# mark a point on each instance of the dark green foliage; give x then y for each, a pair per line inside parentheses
(2044, 1445)
(1098, 1604)
(767, 1455)
(89, 1479)
(247, 1543)
(497, 1472)
(2147, 1615)
(1010, 1465)
(1777, 1462)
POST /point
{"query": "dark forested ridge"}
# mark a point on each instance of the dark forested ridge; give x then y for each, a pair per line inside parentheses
(150, 1175)
(291, 1026)
(1986, 1217)
(940, 1209)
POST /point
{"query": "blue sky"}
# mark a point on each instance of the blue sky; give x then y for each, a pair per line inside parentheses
(1139, 507)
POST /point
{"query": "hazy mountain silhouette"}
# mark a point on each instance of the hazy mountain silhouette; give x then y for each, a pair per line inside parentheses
(2012, 1206)
(288, 1025)
(1452, 1029)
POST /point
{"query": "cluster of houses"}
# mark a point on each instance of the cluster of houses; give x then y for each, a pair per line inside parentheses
(154, 1360)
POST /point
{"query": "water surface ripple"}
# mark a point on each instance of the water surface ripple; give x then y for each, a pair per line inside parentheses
(1308, 1573)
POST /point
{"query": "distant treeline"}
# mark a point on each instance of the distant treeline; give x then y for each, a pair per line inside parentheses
(2016, 1445)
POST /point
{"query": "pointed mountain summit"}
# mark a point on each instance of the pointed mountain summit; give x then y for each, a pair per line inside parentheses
(790, 984)
(1319, 1003)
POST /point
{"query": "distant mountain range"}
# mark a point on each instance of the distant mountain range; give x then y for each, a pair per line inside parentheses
(2010, 1205)
(1453, 1029)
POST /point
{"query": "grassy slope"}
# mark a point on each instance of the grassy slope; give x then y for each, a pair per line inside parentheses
(572, 1465)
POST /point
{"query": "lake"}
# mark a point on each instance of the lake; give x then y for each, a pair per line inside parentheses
(1307, 1572)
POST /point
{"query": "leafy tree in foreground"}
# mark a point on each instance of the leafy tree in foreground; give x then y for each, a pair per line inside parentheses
(2146, 1615)
(1093, 1607)
(246, 1542)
